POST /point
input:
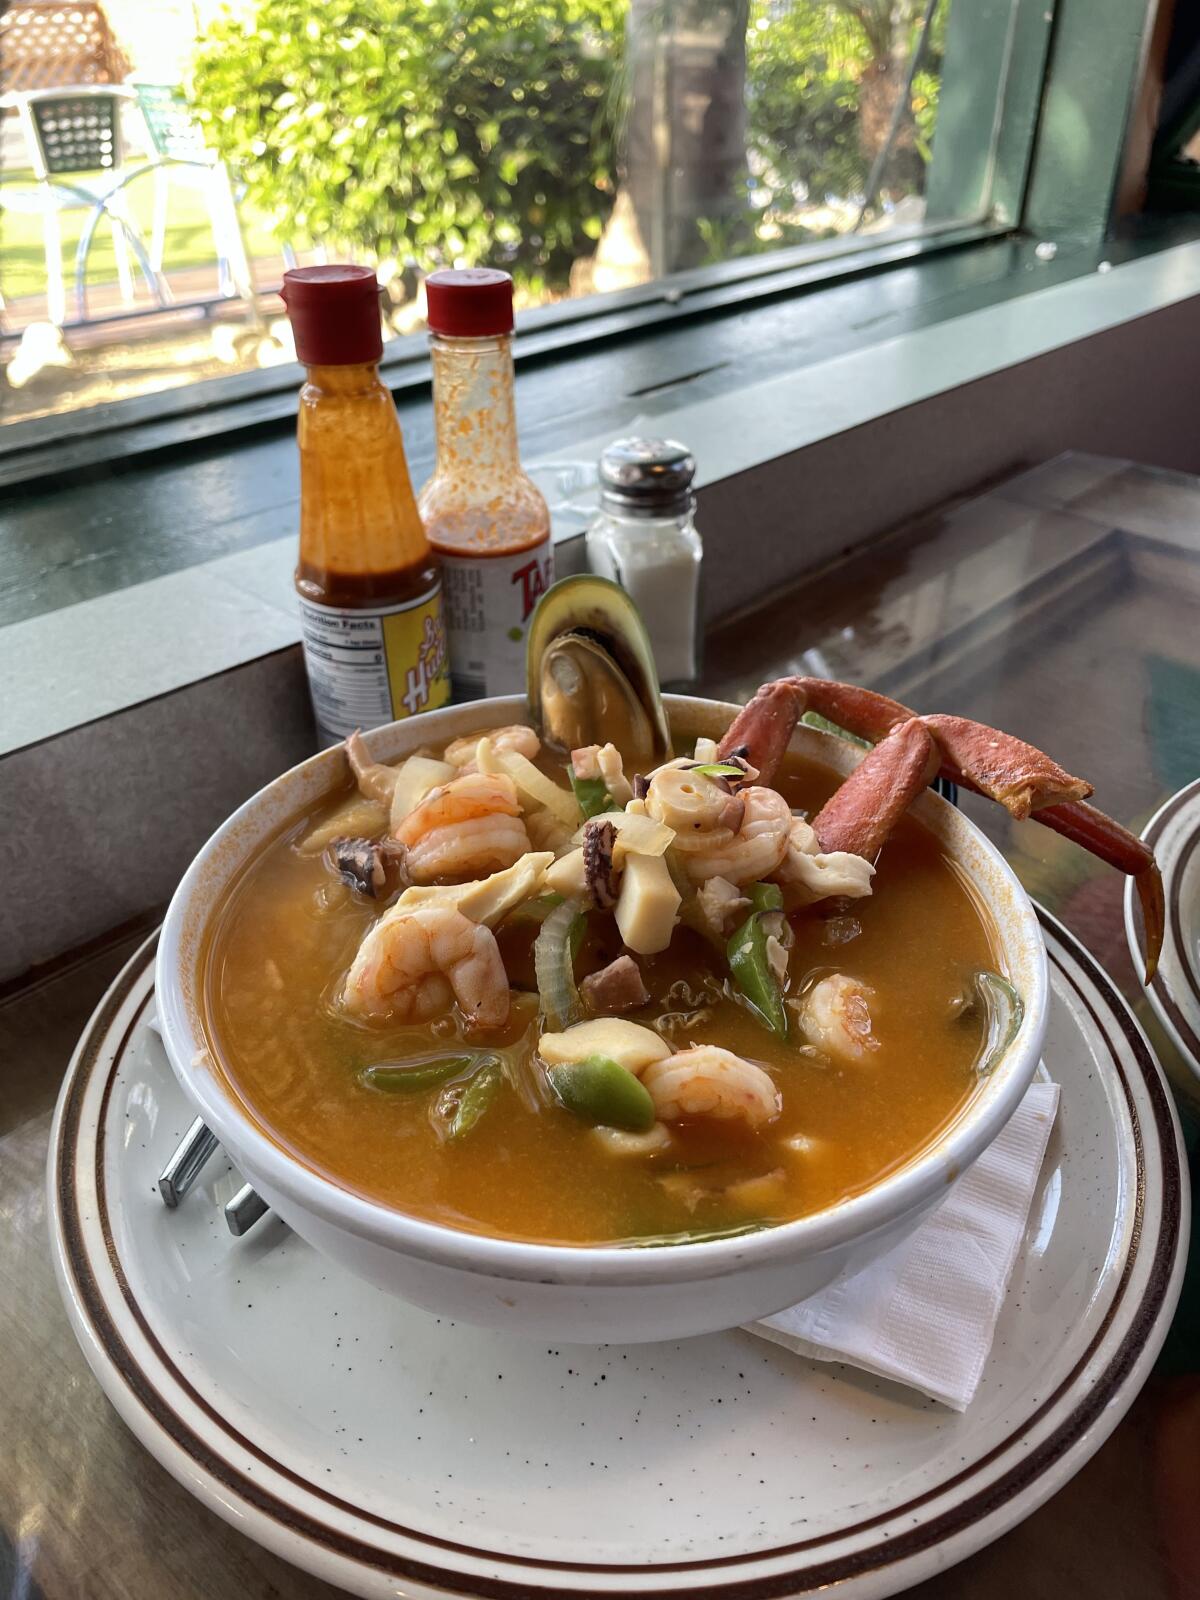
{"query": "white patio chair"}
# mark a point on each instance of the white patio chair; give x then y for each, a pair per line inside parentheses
(180, 158)
(73, 134)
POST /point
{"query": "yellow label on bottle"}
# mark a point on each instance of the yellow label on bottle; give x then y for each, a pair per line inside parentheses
(415, 643)
(368, 667)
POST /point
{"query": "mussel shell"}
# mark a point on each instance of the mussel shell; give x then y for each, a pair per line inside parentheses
(587, 699)
(591, 673)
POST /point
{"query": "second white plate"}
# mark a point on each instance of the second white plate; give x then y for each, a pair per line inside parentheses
(1174, 992)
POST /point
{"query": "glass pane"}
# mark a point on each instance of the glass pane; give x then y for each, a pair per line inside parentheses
(589, 146)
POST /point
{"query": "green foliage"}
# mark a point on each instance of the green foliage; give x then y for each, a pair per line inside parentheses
(808, 66)
(422, 131)
(804, 72)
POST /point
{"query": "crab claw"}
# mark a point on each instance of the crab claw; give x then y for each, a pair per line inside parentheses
(861, 814)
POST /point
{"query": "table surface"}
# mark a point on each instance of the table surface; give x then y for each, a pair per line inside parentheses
(1061, 606)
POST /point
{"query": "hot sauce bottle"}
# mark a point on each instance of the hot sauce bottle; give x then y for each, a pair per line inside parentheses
(486, 519)
(370, 589)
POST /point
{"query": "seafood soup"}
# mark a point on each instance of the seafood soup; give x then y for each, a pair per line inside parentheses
(585, 999)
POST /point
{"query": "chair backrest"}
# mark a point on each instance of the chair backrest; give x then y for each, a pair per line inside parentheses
(174, 132)
(75, 132)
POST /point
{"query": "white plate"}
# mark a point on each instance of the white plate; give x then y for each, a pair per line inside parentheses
(1174, 835)
(392, 1453)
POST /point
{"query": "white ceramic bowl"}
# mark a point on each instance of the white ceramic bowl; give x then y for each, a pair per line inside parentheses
(594, 1294)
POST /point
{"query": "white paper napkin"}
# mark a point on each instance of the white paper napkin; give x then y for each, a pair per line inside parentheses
(925, 1313)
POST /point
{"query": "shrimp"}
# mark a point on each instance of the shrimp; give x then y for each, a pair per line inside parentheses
(835, 1017)
(374, 780)
(414, 961)
(741, 837)
(466, 828)
(603, 761)
(809, 874)
(707, 1081)
(461, 752)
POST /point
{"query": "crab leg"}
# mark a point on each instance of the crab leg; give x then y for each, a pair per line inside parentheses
(1108, 840)
(765, 724)
(1005, 769)
(1017, 775)
(763, 728)
(861, 711)
(861, 814)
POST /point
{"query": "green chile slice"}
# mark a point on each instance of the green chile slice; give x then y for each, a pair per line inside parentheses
(601, 1091)
(476, 1099)
(426, 1072)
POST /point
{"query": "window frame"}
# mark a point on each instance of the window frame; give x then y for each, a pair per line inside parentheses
(1015, 49)
(247, 401)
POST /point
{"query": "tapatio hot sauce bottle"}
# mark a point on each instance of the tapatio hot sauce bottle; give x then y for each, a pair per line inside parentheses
(370, 589)
(486, 519)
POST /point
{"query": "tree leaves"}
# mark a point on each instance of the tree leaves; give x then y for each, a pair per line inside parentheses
(429, 133)
(440, 132)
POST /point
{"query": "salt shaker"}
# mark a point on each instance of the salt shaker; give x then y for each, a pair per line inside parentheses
(644, 538)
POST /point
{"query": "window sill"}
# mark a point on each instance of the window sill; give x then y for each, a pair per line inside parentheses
(754, 436)
(250, 401)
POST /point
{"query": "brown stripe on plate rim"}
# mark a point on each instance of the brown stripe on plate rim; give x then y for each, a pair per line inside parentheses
(913, 1542)
(1160, 983)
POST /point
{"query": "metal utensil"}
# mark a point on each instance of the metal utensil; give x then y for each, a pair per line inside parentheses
(182, 1170)
(245, 1209)
(195, 1148)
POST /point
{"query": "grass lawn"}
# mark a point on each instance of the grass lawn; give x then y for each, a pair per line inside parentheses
(189, 241)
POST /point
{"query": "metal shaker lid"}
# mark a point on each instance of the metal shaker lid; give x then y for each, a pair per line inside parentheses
(647, 477)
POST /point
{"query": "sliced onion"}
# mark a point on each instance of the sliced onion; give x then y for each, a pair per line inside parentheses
(538, 786)
(640, 835)
(554, 965)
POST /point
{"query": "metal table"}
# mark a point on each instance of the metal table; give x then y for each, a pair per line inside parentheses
(1063, 606)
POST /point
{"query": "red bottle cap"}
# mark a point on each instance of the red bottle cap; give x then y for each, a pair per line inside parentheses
(469, 302)
(334, 312)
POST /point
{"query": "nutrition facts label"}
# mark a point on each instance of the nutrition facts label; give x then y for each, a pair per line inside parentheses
(370, 667)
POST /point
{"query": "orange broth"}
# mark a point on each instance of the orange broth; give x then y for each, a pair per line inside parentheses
(530, 1169)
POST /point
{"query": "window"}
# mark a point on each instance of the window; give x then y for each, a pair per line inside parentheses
(160, 173)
